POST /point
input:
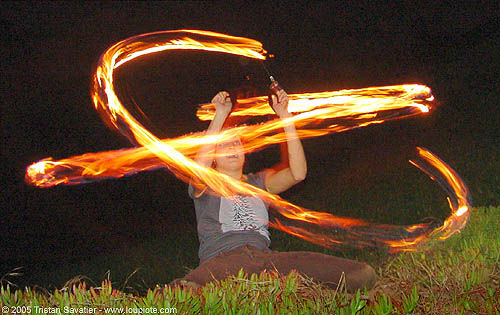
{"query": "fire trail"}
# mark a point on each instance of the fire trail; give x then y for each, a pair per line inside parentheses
(315, 114)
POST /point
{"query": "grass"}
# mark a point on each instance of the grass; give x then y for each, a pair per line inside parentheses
(458, 276)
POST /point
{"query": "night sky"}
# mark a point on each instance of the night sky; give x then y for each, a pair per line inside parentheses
(50, 49)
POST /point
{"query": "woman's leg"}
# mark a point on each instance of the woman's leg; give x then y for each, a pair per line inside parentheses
(251, 259)
(325, 269)
(320, 267)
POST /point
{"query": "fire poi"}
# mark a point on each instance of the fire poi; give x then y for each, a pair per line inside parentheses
(337, 111)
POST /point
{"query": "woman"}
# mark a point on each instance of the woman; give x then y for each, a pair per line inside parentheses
(233, 232)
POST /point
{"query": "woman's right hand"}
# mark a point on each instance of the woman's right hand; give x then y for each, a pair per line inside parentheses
(222, 103)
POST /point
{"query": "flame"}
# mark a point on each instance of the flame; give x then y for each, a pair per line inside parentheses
(316, 114)
(458, 194)
(103, 165)
(341, 103)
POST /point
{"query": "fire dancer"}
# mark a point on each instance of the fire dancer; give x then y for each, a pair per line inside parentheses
(233, 232)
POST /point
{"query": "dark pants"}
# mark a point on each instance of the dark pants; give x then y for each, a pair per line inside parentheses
(320, 267)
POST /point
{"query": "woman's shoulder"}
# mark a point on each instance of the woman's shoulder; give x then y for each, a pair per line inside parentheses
(258, 178)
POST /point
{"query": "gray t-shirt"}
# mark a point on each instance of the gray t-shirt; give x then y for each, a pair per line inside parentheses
(228, 223)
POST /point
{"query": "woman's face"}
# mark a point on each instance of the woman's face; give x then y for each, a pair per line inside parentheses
(230, 155)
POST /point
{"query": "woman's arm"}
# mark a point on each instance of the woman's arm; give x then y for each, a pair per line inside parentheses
(282, 179)
(223, 106)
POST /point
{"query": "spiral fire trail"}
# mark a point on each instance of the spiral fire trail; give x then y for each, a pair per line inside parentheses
(335, 111)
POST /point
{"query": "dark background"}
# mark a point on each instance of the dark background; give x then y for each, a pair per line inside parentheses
(49, 51)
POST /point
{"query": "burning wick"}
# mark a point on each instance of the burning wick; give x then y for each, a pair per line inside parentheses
(334, 111)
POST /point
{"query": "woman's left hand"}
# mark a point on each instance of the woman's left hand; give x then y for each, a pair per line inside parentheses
(280, 104)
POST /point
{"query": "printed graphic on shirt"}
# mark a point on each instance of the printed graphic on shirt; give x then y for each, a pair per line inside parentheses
(243, 213)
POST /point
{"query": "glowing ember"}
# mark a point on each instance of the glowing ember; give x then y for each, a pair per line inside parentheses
(316, 114)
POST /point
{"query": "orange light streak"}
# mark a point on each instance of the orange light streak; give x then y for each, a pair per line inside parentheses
(342, 103)
(334, 111)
